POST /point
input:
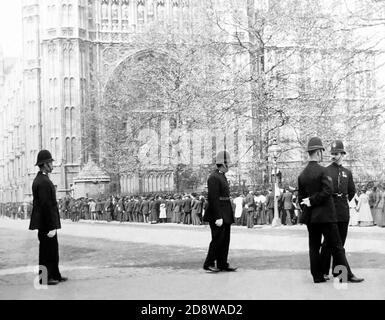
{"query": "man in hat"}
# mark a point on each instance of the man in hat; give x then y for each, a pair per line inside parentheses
(45, 218)
(219, 215)
(315, 191)
(269, 207)
(250, 205)
(343, 192)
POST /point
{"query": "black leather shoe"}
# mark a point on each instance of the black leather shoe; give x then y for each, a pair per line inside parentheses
(229, 269)
(320, 280)
(355, 279)
(52, 282)
(63, 279)
(211, 269)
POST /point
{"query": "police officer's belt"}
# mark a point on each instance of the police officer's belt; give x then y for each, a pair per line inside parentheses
(339, 195)
(224, 198)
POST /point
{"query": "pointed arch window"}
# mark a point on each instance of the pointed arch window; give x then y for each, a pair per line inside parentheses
(175, 12)
(150, 10)
(72, 119)
(115, 14)
(140, 14)
(55, 92)
(125, 14)
(57, 150)
(160, 12)
(70, 15)
(66, 92)
(64, 15)
(72, 92)
(67, 121)
(68, 155)
(49, 93)
(74, 151)
(105, 16)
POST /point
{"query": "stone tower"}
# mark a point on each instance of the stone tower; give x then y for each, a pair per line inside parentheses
(32, 85)
(1, 67)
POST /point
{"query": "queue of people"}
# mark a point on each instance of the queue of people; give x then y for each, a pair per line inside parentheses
(367, 208)
(159, 208)
(255, 208)
(16, 210)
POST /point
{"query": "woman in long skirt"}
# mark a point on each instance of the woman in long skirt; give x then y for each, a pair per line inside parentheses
(378, 206)
(353, 221)
(162, 210)
(238, 201)
(380, 214)
(365, 218)
(196, 208)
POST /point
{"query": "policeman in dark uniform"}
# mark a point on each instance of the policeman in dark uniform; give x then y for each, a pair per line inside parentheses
(343, 191)
(315, 191)
(45, 218)
(220, 216)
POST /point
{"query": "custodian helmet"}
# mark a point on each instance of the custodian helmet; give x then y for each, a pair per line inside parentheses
(337, 146)
(223, 157)
(314, 143)
(43, 156)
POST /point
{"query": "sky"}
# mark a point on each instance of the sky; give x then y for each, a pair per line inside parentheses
(10, 27)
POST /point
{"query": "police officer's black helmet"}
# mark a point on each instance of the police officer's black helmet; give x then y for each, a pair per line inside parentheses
(314, 143)
(43, 156)
(223, 157)
(337, 146)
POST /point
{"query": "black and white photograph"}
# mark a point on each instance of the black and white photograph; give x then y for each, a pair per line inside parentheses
(215, 151)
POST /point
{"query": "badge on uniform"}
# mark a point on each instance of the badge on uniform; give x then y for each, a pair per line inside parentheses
(344, 174)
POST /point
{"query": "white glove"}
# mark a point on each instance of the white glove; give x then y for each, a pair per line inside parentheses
(219, 222)
(51, 234)
(306, 202)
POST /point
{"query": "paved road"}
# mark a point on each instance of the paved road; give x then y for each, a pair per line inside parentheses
(137, 261)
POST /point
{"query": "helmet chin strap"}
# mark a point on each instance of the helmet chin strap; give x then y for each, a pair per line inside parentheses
(47, 167)
(337, 159)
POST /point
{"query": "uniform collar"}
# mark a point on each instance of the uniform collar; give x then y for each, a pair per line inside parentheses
(337, 165)
(220, 172)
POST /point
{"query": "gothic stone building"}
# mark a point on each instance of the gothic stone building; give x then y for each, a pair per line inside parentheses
(71, 50)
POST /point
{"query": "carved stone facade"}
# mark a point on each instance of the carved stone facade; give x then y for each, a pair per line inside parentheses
(71, 49)
(65, 44)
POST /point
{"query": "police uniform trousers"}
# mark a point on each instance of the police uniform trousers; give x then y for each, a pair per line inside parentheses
(332, 241)
(326, 254)
(49, 254)
(219, 246)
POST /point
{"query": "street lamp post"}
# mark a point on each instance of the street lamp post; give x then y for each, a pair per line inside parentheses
(275, 150)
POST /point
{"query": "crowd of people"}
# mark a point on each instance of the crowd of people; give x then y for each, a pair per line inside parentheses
(367, 208)
(250, 209)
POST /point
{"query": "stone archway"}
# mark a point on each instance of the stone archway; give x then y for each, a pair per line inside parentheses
(133, 105)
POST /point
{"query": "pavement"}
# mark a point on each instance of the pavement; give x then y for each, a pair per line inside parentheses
(164, 262)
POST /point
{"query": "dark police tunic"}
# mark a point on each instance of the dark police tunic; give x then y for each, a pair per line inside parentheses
(315, 183)
(344, 191)
(45, 212)
(45, 217)
(219, 207)
(219, 204)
